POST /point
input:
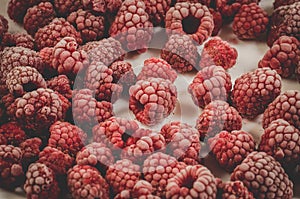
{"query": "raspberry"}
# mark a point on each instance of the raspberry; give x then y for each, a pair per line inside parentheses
(181, 53)
(3, 26)
(250, 22)
(38, 16)
(156, 67)
(231, 148)
(158, 168)
(85, 181)
(87, 111)
(211, 83)
(123, 74)
(193, 19)
(132, 26)
(182, 142)
(37, 110)
(11, 172)
(234, 189)
(66, 137)
(281, 140)
(106, 51)
(62, 85)
(278, 3)
(152, 100)
(192, 182)
(253, 91)
(91, 27)
(41, 182)
(108, 8)
(56, 160)
(30, 151)
(123, 175)
(11, 133)
(263, 176)
(283, 56)
(64, 8)
(8, 103)
(18, 40)
(217, 116)
(23, 79)
(157, 10)
(46, 55)
(218, 21)
(218, 52)
(51, 34)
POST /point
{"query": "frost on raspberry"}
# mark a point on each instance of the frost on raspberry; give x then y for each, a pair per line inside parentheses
(193, 19)
(218, 52)
(11, 133)
(152, 100)
(132, 26)
(209, 84)
(253, 91)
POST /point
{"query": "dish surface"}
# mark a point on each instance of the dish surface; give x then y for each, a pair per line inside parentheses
(249, 53)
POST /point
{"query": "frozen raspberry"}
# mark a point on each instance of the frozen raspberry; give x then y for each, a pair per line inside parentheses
(157, 10)
(3, 26)
(218, 21)
(192, 182)
(152, 100)
(181, 53)
(263, 176)
(123, 175)
(87, 111)
(183, 142)
(23, 79)
(278, 3)
(283, 56)
(38, 16)
(108, 8)
(91, 27)
(250, 22)
(66, 137)
(8, 103)
(253, 91)
(231, 148)
(193, 19)
(132, 26)
(65, 7)
(62, 85)
(30, 149)
(85, 181)
(156, 67)
(11, 133)
(46, 55)
(282, 141)
(37, 110)
(11, 172)
(211, 83)
(114, 131)
(217, 116)
(218, 52)
(18, 40)
(234, 189)
(41, 182)
(123, 74)
(51, 34)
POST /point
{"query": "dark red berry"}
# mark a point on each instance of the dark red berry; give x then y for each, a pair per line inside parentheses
(11, 133)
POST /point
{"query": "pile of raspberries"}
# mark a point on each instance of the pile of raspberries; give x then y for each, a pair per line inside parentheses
(63, 77)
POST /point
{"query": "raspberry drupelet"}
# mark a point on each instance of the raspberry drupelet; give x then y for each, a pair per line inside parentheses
(11, 133)
(19, 40)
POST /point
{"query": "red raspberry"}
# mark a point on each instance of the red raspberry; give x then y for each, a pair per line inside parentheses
(3, 26)
(123, 175)
(157, 10)
(234, 189)
(123, 74)
(91, 27)
(250, 22)
(193, 19)
(85, 181)
(108, 8)
(192, 182)
(18, 40)
(217, 116)
(181, 53)
(183, 142)
(211, 83)
(41, 182)
(158, 168)
(132, 26)
(56, 30)
(62, 85)
(156, 67)
(283, 56)
(30, 151)
(65, 7)
(278, 3)
(253, 91)
(263, 176)
(11, 172)
(23, 79)
(152, 100)
(11, 133)
(218, 52)
(46, 55)
(8, 103)
(66, 137)
(56, 160)
(282, 141)
(218, 21)
(231, 148)
(38, 16)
